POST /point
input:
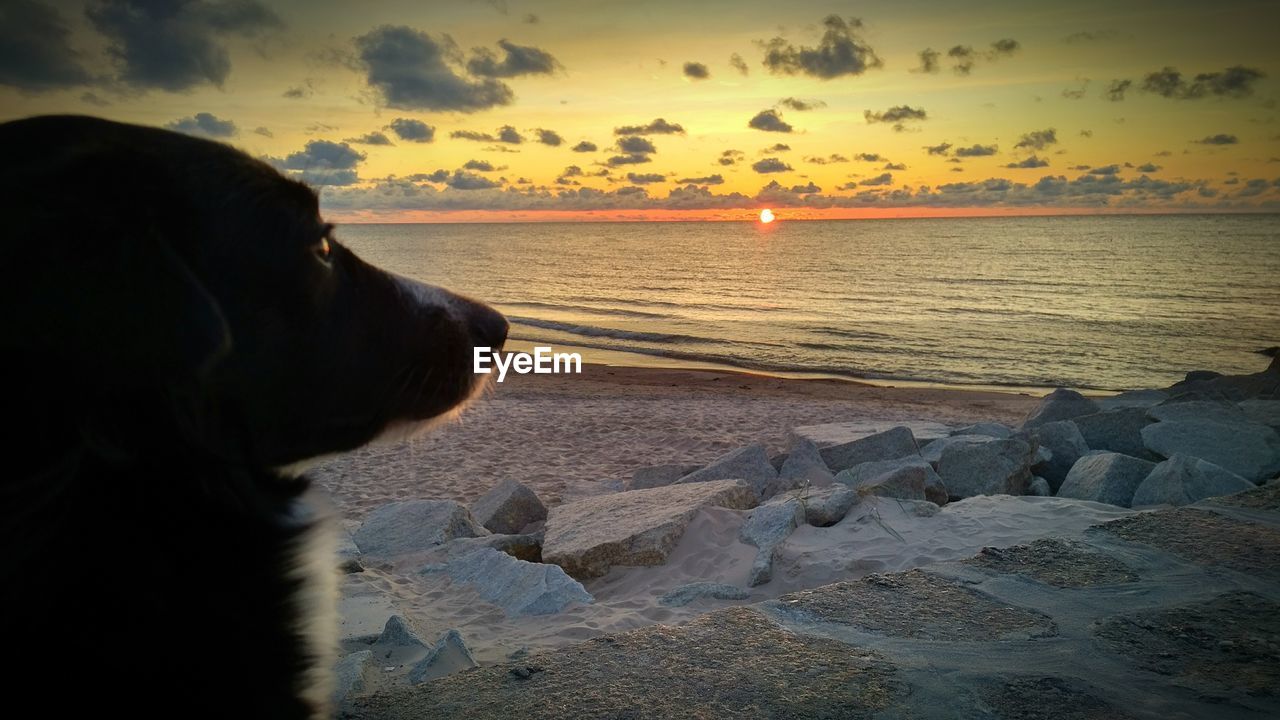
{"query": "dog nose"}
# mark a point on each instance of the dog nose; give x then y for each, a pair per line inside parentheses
(488, 326)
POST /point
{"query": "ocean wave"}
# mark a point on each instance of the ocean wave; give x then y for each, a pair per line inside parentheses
(534, 305)
(604, 332)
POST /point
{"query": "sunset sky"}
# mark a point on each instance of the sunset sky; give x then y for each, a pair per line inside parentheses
(403, 110)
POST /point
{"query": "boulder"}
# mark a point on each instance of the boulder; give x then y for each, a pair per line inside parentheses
(890, 444)
(508, 508)
(411, 526)
(659, 475)
(872, 472)
(685, 594)
(990, 429)
(1106, 477)
(1249, 450)
(749, 464)
(766, 527)
(828, 506)
(398, 643)
(1061, 404)
(527, 546)
(1183, 479)
(1039, 487)
(1198, 410)
(803, 466)
(932, 453)
(518, 587)
(997, 467)
(839, 433)
(640, 527)
(1262, 412)
(348, 675)
(1066, 445)
(905, 483)
(448, 656)
(1116, 431)
(1133, 398)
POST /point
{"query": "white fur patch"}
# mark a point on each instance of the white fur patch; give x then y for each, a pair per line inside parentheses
(316, 601)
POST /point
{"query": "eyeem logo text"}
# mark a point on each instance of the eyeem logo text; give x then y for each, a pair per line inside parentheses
(542, 361)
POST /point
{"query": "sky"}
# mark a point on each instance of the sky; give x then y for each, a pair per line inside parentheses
(507, 110)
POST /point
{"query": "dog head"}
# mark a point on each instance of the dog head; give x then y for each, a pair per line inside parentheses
(177, 284)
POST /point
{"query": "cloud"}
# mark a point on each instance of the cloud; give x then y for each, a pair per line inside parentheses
(1077, 93)
(1005, 47)
(895, 166)
(1116, 90)
(506, 134)
(322, 162)
(463, 180)
(939, 149)
(869, 157)
(1219, 139)
(963, 59)
(881, 179)
(777, 147)
(549, 137)
(696, 71)
(1105, 170)
(479, 165)
(411, 71)
(205, 124)
(645, 178)
(737, 63)
(1031, 162)
(1086, 133)
(657, 127)
(585, 146)
(1088, 36)
(530, 19)
(769, 121)
(776, 194)
(1038, 139)
(928, 61)
(412, 130)
(828, 160)
(632, 159)
(35, 55)
(372, 138)
(176, 46)
(840, 52)
(729, 157)
(801, 105)
(1234, 82)
(438, 176)
(899, 115)
(716, 179)
(572, 171)
(976, 151)
(518, 60)
(1149, 168)
(636, 144)
(298, 92)
(263, 131)
(770, 165)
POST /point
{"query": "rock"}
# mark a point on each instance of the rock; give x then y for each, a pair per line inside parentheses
(448, 656)
(905, 483)
(1262, 412)
(659, 475)
(828, 506)
(1061, 404)
(1063, 439)
(1133, 398)
(526, 546)
(934, 489)
(348, 675)
(1183, 479)
(1196, 376)
(766, 527)
(920, 508)
(1249, 450)
(750, 464)
(400, 528)
(828, 434)
(518, 587)
(639, 527)
(685, 594)
(1105, 477)
(998, 467)
(508, 508)
(803, 466)
(932, 452)
(1039, 487)
(1116, 431)
(989, 429)
(890, 444)
(1198, 410)
(398, 643)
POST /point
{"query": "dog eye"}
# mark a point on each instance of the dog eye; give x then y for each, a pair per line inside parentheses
(322, 249)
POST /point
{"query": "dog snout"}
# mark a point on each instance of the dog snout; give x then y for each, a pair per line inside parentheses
(488, 326)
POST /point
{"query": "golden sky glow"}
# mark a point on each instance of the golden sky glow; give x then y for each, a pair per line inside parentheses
(1029, 100)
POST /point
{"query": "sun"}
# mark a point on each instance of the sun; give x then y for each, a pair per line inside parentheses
(766, 216)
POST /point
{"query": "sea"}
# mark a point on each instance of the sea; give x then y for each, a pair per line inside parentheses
(1088, 302)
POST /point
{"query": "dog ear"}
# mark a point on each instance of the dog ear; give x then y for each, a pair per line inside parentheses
(96, 274)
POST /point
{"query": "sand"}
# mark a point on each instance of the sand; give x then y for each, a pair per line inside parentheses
(576, 436)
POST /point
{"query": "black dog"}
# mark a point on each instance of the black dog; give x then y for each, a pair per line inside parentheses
(180, 330)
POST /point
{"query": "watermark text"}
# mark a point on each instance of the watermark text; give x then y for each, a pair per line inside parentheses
(542, 361)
